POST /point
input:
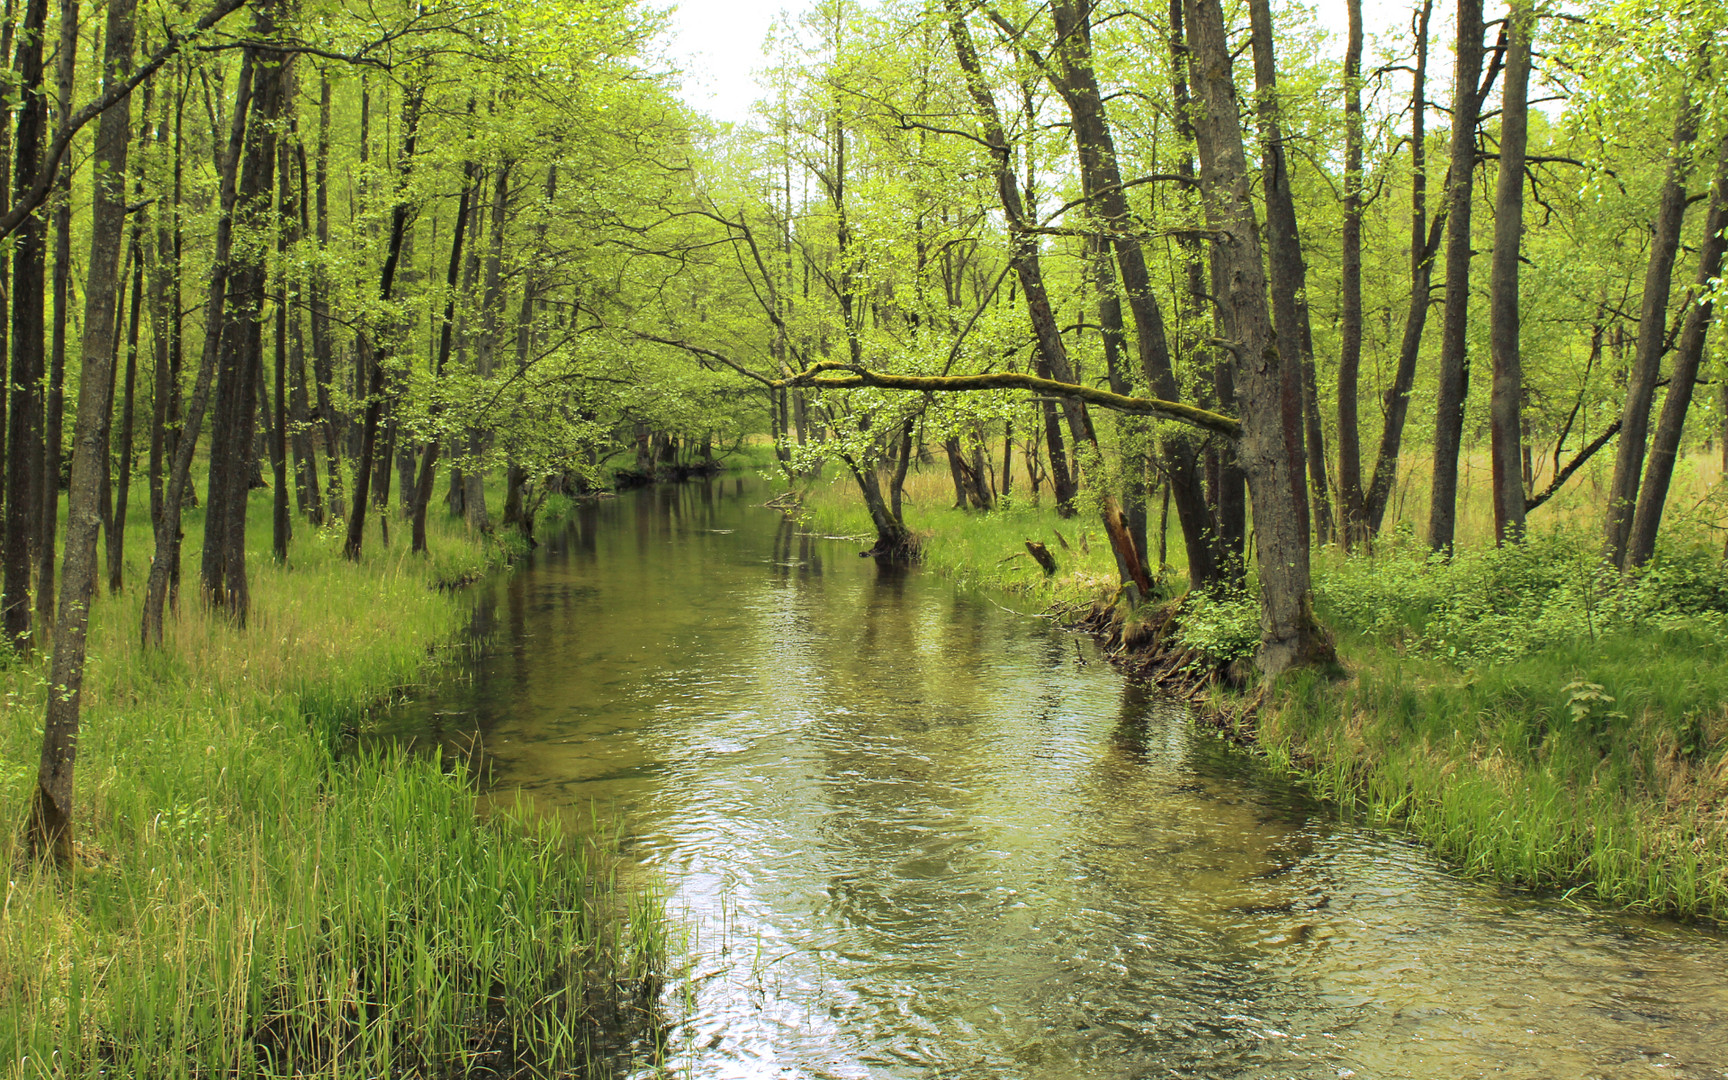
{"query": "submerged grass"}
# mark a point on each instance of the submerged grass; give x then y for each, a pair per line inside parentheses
(251, 902)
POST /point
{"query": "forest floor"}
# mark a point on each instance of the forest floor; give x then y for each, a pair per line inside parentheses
(1537, 720)
(254, 892)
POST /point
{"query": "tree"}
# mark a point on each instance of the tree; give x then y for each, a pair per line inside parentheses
(49, 830)
(1506, 412)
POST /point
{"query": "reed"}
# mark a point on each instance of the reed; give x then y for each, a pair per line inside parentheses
(258, 896)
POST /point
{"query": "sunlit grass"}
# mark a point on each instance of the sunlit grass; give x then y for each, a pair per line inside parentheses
(248, 900)
(985, 550)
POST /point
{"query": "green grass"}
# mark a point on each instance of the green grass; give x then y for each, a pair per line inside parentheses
(983, 550)
(1536, 721)
(249, 902)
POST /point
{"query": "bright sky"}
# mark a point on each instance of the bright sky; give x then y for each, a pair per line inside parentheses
(718, 43)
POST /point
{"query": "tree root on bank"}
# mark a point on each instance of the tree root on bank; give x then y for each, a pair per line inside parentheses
(1147, 649)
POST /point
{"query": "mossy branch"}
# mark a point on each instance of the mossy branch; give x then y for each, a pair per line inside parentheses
(834, 375)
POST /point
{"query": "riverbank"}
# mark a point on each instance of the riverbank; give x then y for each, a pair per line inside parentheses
(253, 896)
(1533, 720)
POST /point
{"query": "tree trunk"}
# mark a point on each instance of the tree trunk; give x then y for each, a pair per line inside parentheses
(1289, 281)
(166, 563)
(295, 213)
(1101, 177)
(1353, 508)
(1665, 446)
(429, 456)
(240, 358)
(1424, 244)
(474, 510)
(1454, 361)
(165, 315)
(1652, 328)
(386, 287)
(29, 266)
(1506, 413)
(53, 437)
(323, 358)
(1290, 635)
(49, 831)
(123, 488)
(1023, 247)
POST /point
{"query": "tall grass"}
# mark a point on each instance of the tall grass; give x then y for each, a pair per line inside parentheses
(248, 900)
(1535, 718)
(983, 550)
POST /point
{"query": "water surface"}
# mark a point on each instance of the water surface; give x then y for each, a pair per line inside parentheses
(914, 834)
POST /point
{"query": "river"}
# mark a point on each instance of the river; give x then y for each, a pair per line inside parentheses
(914, 834)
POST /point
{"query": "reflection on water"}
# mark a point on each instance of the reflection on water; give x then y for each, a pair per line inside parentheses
(915, 835)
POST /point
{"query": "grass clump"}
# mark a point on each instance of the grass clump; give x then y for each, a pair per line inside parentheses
(980, 550)
(249, 902)
(1536, 718)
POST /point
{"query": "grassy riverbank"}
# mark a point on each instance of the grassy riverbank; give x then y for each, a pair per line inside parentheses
(251, 902)
(1535, 719)
(985, 551)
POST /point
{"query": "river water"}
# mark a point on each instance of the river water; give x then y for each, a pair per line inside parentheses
(914, 834)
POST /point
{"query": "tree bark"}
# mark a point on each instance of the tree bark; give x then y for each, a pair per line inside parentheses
(1023, 247)
(49, 831)
(166, 563)
(239, 331)
(53, 437)
(29, 265)
(1454, 363)
(1652, 328)
(1227, 505)
(165, 323)
(123, 485)
(1424, 244)
(471, 179)
(1683, 378)
(1353, 506)
(375, 354)
(491, 303)
(1101, 177)
(1506, 402)
(323, 359)
(1290, 635)
(1289, 280)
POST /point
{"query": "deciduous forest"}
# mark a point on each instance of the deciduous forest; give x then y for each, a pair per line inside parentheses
(1363, 392)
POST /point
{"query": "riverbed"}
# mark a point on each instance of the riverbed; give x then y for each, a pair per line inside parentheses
(909, 832)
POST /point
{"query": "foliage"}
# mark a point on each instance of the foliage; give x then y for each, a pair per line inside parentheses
(1223, 627)
(1499, 604)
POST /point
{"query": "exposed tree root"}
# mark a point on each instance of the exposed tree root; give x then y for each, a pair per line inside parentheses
(1146, 647)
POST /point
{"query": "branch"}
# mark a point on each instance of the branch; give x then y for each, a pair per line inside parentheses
(50, 169)
(853, 377)
(1572, 466)
(708, 354)
(1122, 186)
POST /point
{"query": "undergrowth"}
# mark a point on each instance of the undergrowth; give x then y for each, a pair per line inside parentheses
(248, 901)
(1538, 718)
